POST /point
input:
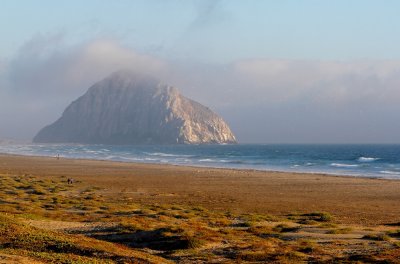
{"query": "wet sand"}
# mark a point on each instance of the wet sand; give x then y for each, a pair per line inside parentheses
(350, 199)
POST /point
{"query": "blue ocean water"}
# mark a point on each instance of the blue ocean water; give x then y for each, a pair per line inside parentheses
(381, 161)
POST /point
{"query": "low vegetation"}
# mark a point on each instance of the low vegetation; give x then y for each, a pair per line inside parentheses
(54, 222)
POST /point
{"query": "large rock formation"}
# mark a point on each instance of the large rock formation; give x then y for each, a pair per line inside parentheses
(130, 109)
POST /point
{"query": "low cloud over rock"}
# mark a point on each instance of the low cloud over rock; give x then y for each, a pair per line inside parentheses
(128, 108)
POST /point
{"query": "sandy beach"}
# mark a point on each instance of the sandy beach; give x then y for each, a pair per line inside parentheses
(351, 200)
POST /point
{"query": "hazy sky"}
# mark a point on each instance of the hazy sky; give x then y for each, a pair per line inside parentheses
(307, 71)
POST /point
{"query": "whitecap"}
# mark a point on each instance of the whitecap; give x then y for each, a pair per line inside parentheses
(160, 154)
(92, 151)
(390, 172)
(367, 159)
(106, 150)
(167, 154)
(344, 165)
(206, 160)
(130, 158)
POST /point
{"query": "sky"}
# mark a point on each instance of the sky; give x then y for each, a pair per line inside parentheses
(311, 71)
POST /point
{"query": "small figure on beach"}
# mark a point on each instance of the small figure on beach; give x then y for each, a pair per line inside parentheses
(70, 181)
(58, 156)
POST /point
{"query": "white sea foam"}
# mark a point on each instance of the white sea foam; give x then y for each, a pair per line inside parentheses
(130, 158)
(341, 165)
(106, 150)
(367, 159)
(166, 154)
(160, 154)
(92, 151)
(390, 172)
(206, 160)
(363, 165)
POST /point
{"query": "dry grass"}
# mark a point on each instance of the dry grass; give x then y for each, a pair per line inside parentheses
(103, 228)
(345, 230)
(20, 239)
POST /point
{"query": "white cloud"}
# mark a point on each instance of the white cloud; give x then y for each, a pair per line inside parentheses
(47, 74)
(47, 64)
(263, 100)
(325, 82)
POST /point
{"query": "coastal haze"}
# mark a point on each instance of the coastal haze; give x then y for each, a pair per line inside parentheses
(199, 131)
(275, 76)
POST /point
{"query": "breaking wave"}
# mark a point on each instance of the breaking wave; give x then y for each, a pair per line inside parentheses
(367, 159)
(390, 172)
(376, 161)
(161, 154)
(342, 165)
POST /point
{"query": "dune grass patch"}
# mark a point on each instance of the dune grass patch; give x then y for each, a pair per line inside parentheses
(96, 227)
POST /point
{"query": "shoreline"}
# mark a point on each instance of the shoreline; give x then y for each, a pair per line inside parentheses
(197, 166)
(355, 200)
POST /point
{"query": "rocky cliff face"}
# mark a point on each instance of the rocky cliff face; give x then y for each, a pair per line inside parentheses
(129, 109)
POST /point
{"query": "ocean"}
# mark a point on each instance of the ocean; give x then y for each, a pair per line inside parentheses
(381, 161)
